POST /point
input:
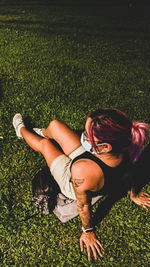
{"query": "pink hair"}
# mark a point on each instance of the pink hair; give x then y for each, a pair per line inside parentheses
(139, 132)
(114, 127)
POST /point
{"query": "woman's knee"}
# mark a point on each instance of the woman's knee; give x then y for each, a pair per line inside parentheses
(44, 143)
(54, 124)
(54, 129)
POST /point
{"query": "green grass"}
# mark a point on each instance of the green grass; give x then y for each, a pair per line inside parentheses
(62, 59)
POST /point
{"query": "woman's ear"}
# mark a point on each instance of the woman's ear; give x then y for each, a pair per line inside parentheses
(104, 148)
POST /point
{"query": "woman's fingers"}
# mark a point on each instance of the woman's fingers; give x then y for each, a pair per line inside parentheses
(146, 194)
(145, 207)
(92, 245)
(87, 248)
(94, 251)
(100, 244)
(146, 201)
(88, 252)
(98, 250)
(81, 245)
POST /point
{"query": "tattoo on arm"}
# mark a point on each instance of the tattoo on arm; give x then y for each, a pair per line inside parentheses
(77, 182)
(84, 206)
(84, 209)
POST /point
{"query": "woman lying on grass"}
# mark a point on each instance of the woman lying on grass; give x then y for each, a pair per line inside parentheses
(113, 141)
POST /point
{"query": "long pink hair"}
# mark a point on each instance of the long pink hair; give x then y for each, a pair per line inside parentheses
(114, 127)
(139, 132)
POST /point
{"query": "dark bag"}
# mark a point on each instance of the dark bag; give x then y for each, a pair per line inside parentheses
(45, 191)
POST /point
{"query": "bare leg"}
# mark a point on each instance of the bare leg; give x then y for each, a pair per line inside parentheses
(63, 135)
(49, 151)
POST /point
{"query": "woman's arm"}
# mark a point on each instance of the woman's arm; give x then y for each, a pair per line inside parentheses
(84, 208)
(83, 203)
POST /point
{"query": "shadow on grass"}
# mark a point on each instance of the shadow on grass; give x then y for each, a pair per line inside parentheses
(107, 29)
(98, 22)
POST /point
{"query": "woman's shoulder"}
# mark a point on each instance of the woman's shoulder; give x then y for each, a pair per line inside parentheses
(86, 166)
(89, 172)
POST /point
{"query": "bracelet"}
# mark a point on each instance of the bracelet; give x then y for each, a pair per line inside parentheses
(87, 230)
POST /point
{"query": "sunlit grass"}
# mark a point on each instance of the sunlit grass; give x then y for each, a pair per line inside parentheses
(62, 61)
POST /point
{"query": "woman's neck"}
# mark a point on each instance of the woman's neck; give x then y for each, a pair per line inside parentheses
(109, 159)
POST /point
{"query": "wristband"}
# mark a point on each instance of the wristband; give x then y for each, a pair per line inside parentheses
(87, 230)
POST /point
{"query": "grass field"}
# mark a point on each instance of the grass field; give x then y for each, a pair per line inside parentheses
(62, 59)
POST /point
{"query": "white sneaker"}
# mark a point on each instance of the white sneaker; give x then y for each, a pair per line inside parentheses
(39, 132)
(18, 124)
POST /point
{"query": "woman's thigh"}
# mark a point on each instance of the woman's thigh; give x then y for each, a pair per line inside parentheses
(49, 151)
(63, 135)
(60, 169)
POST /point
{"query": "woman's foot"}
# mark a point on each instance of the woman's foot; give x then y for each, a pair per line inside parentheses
(18, 124)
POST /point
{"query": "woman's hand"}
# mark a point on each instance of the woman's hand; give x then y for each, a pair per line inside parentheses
(142, 199)
(89, 239)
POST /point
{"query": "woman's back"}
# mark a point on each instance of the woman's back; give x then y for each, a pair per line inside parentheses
(98, 172)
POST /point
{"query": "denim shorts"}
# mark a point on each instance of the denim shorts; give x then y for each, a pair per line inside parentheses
(60, 169)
